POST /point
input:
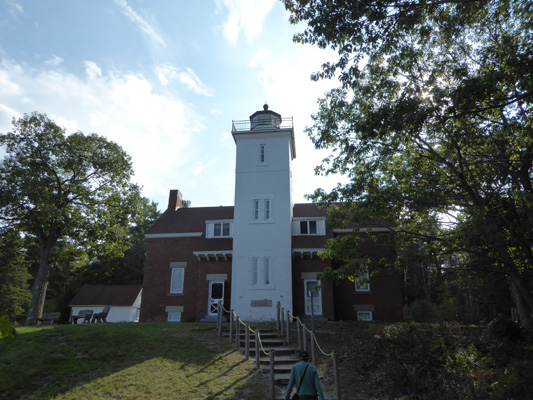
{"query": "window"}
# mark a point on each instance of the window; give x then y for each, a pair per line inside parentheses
(255, 271)
(176, 280)
(362, 279)
(364, 315)
(262, 153)
(266, 270)
(267, 209)
(261, 271)
(256, 210)
(262, 210)
(221, 229)
(308, 227)
(174, 316)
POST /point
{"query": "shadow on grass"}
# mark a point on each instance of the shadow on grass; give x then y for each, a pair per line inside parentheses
(42, 363)
(230, 386)
(233, 366)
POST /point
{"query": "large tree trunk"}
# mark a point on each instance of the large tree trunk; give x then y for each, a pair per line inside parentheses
(40, 285)
(522, 306)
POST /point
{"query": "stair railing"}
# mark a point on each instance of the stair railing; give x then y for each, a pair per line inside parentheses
(313, 342)
(258, 344)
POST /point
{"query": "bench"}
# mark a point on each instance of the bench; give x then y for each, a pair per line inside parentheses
(101, 316)
(50, 318)
(84, 315)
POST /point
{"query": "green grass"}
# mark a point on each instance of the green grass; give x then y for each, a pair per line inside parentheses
(126, 361)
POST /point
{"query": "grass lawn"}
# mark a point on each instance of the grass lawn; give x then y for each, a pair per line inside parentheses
(126, 361)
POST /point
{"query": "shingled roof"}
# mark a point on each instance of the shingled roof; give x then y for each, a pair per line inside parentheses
(106, 295)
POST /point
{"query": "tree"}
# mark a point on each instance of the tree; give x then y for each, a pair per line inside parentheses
(432, 118)
(15, 292)
(56, 187)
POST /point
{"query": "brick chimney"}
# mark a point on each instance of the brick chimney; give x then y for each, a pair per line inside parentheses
(174, 200)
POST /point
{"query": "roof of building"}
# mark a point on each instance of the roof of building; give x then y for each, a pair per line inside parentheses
(106, 295)
(187, 220)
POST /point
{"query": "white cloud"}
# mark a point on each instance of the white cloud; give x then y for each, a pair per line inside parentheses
(247, 16)
(14, 8)
(191, 80)
(54, 60)
(141, 23)
(289, 89)
(154, 129)
(167, 73)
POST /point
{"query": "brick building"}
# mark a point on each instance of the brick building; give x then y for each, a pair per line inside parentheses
(261, 251)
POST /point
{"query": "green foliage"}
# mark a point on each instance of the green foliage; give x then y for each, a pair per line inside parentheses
(57, 188)
(433, 118)
(450, 361)
(15, 294)
(6, 328)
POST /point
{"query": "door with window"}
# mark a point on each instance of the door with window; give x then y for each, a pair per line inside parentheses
(313, 296)
(216, 294)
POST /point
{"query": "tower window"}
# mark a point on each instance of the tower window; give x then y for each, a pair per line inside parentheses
(262, 153)
(261, 271)
(262, 210)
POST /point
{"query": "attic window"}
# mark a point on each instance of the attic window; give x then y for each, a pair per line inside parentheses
(308, 228)
(221, 229)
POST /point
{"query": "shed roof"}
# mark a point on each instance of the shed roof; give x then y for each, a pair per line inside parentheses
(106, 295)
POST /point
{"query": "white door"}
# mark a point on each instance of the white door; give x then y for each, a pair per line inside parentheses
(216, 294)
(313, 295)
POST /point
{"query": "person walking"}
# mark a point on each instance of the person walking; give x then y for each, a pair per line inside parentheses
(305, 377)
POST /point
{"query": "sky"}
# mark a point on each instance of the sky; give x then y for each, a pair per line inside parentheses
(164, 79)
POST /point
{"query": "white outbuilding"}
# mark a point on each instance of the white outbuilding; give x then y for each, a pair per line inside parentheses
(124, 301)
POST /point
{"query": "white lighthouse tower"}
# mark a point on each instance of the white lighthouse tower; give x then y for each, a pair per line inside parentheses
(262, 256)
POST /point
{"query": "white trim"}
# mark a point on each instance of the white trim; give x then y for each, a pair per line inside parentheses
(361, 313)
(309, 218)
(216, 277)
(351, 230)
(216, 255)
(172, 235)
(174, 309)
(178, 264)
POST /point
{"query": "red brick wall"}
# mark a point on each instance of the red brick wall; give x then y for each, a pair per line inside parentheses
(385, 293)
(156, 297)
(299, 266)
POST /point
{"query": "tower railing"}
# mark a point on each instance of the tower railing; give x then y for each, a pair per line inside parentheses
(261, 124)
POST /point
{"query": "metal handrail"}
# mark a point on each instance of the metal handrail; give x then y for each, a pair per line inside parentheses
(262, 125)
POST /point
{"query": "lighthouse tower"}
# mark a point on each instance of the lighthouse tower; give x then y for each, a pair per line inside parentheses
(262, 258)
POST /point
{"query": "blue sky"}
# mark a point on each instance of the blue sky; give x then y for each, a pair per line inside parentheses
(164, 79)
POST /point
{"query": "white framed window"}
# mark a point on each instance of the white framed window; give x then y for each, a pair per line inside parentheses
(255, 271)
(362, 279)
(364, 315)
(221, 229)
(262, 210)
(262, 153)
(308, 227)
(176, 280)
(267, 209)
(261, 271)
(256, 209)
(266, 271)
(174, 316)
